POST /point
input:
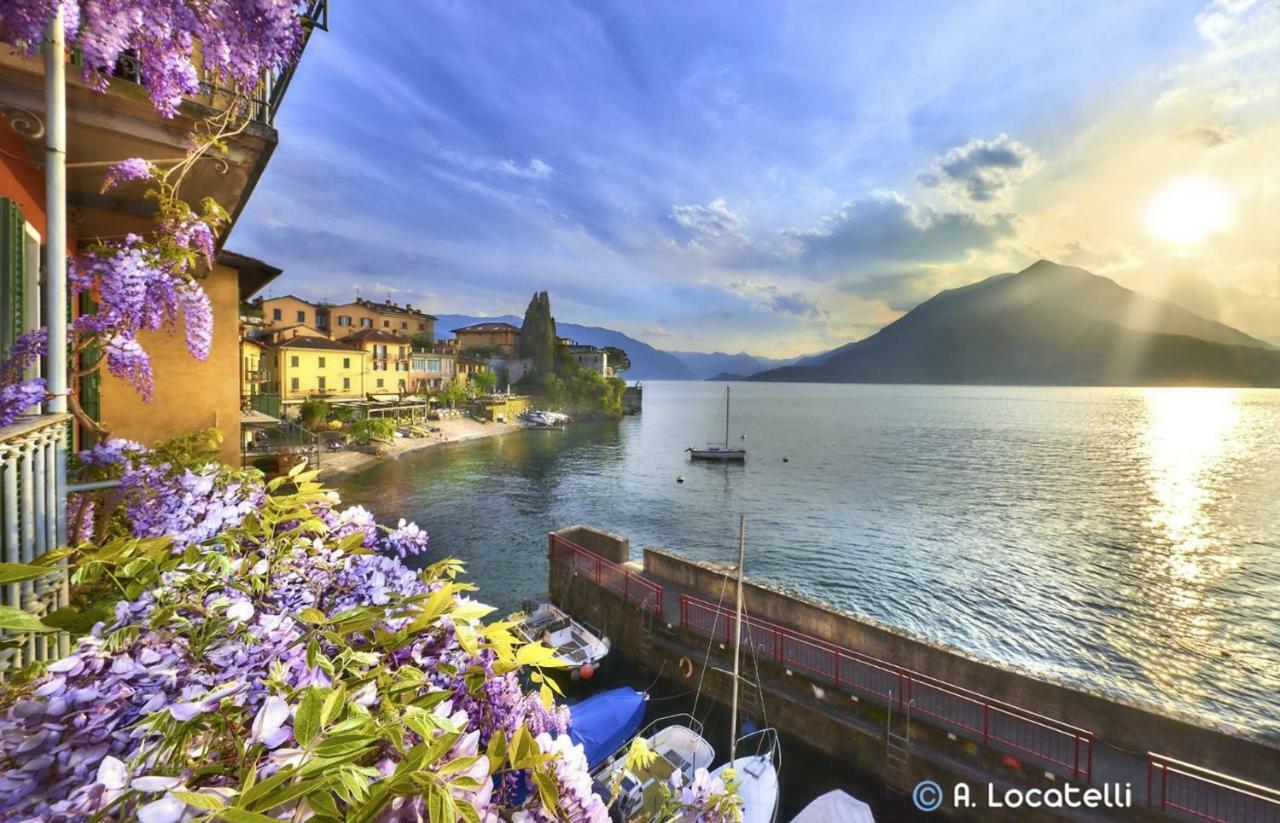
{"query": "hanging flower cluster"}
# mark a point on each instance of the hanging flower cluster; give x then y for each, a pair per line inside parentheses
(239, 40)
(17, 393)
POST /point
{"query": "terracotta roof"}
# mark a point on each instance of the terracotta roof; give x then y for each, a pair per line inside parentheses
(488, 327)
(315, 343)
(376, 335)
(254, 274)
(389, 308)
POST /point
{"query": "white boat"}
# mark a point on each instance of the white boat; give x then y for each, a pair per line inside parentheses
(679, 746)
(576, 644)
(835, 807)
(717, 451)
(755, 773)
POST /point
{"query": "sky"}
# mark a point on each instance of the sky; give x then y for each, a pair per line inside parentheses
(775, 177)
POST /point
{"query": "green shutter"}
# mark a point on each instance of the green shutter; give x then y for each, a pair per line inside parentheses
(12, 289)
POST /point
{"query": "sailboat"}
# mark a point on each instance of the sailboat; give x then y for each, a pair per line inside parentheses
(715, 451)
(755, 775)
(678, 745)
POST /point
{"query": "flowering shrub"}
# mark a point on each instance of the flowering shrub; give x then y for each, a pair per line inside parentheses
(239, 39)
(17, 393)
(278, 661)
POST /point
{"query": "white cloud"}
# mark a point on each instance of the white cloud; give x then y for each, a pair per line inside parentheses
(712, 221)
(982, 171)
(535, 169)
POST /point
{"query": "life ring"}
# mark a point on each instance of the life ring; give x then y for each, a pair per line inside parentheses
(686, 667)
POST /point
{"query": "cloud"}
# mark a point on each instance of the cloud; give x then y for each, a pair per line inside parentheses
(794, 303)
(714, 220)
(884, 230)
(771, 297)
(535, 169)
(1207, 136)
(981, 171)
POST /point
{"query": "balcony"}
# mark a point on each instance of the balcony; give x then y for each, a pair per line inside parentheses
(33, 485)
(103, 129)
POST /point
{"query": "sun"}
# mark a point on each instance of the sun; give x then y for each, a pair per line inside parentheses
(1188, 209)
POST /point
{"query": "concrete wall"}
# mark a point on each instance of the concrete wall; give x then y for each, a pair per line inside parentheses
(1123, 725)
(610, 546)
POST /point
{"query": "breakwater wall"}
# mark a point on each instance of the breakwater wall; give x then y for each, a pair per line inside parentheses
(841, 681)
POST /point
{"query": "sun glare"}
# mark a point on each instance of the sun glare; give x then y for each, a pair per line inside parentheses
(1187, 210)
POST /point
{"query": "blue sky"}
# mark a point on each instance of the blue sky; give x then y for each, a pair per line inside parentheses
(776, 177)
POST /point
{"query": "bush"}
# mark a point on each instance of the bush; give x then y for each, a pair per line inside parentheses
(313, 412)
(374, 428)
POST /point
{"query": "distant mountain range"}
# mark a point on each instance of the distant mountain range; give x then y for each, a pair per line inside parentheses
(714, 365)
(1046, 325)
(647, 363)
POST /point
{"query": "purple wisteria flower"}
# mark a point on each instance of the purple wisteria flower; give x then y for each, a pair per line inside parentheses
(17, 394)
(133, 168)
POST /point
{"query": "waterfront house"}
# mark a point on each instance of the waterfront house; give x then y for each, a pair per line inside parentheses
(385, 316)
(307, 367)
(590, 358)
(489, 338)
(388, 363)
(430, 371)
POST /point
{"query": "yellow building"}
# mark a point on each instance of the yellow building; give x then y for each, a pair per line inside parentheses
(498, 338)
(389, 360)
(252, 378)
(289, 311)
(191, 394)
(315, 367)
(389, 317)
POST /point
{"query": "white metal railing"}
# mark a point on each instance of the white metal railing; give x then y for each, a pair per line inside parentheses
(33, 482)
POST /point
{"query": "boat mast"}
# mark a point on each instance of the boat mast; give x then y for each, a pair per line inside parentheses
(737, 640)
(726, 417)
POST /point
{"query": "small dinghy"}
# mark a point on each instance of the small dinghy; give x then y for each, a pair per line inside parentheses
(577, 645)
(679, 746)
(835, 807)
(755, 776)
(605, 722)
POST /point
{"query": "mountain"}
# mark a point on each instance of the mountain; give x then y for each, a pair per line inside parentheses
(705, 365)
(647, 363)
(1046, 325)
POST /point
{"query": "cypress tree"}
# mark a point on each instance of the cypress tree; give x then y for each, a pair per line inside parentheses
(538, 335)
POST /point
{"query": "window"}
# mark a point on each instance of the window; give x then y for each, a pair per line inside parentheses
(379, 382)
(322, 365)
(276, 314)
(293, 361)
(320, 383)
(366, 323)
(346, 362)
(422, 327)
(346, 383)
(293, 383)
(404, 324)
(302, 317)
(433, 365)
(344, 320)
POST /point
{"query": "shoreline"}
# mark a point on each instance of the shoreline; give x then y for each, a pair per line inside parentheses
(345, 464)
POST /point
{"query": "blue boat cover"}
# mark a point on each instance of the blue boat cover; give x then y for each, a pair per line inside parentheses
(604, 722)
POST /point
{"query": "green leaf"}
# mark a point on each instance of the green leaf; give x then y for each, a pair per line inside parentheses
(199, 800)
(239, 815)
(332, 702)
(19, 621)
(315, 616)
(18, 572)
(306, 722)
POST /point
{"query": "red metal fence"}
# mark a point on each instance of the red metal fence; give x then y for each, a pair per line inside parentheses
(631, 586)
(1182, 789)
(1063, 748)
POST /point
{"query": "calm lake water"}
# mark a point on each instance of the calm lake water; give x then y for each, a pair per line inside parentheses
(1127, 540)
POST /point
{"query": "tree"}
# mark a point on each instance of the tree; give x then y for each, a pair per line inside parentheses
(313, 412)
(484, 380)
(538, 335)
(618, 360)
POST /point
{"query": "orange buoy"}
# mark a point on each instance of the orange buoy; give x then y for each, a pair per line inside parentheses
(586, 671)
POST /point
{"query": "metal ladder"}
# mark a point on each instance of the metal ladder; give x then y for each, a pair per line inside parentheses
(897, 748)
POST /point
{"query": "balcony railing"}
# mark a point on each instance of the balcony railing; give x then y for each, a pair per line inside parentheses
(264, 101)
(33, 482)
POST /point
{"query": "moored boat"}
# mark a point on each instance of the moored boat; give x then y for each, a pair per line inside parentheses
(835, 807)
(605, 722)
(755, 776)
(717, 451)
(678, 747)
(578, 645)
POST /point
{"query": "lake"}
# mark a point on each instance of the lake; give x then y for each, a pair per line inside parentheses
(1126, 540)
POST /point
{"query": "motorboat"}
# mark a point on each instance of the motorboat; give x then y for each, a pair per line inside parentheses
(717, 451)
(578, 645)
(835, 807)
(678, 746)
(605, 722)
(546, 419)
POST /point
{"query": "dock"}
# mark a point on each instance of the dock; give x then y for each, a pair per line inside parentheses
(901, 708)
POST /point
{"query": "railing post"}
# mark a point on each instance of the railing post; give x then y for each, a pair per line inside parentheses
(626, 587)
(1075, 769)
(598, 567)
(986, 723)
(1088, 778)
(1150, 769)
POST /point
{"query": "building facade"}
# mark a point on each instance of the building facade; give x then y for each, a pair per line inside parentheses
(489, 338)
(430, 371)
(590, 358)
(388, 317)
(306, 368)
(389, 362)
(290, 312)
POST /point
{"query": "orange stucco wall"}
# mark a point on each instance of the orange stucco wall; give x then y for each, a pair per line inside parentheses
(189, 394)
(23, 183)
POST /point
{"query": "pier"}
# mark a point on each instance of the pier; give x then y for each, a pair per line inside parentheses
(902, 708)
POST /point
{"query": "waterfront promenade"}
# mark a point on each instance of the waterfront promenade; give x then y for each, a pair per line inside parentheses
(861, 696)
